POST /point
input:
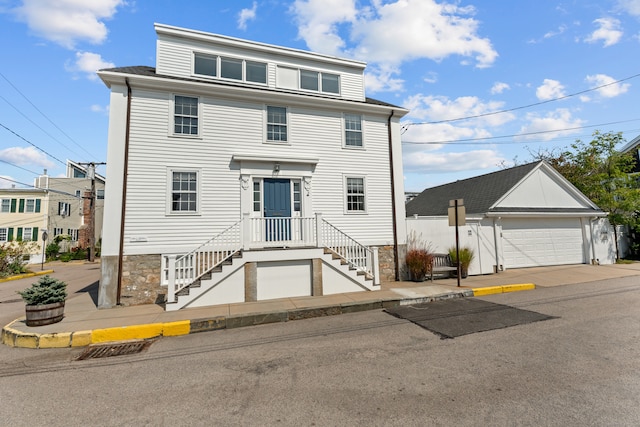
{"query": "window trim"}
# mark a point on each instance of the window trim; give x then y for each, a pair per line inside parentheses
(266, 126)
(345, 130)
(346, 195)
(172, 117)
(169, 204)
(218, 60)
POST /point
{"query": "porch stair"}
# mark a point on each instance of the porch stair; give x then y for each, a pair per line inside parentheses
(351, 270)
(206, 282)
(192, 275)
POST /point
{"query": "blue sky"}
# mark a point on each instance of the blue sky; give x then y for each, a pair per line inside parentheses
(451, 63)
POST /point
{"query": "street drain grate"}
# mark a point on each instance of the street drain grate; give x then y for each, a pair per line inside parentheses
(114, 349)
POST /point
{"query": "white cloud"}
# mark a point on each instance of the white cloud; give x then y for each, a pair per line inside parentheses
(550, 89)
(611, 90)
(67, 22)
(392, 32)
(25, 156)
(632, 7)
(318, 23)
(378, 79)
(550, 126)
(96, 108)
(438, 108)
(246, 15)
(609, 32)
(561, 29)
(499, 87)
(88, 63)
(438, 162)
(6, 183)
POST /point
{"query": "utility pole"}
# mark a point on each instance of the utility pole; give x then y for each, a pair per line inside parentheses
(91, 226)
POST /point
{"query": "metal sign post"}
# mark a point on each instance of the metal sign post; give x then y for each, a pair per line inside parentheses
(457, 216)
(44, 245)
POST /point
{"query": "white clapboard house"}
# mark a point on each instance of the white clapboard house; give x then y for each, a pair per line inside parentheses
(240, 171)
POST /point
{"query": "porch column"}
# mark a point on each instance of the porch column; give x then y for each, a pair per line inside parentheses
(375, 267)
(245, 228)
(171, 284)
(319, 240)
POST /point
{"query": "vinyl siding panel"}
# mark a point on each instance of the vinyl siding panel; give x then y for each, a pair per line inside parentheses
(174, 57)
(230, 128)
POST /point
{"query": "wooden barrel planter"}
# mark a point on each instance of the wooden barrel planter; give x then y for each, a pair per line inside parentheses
(45, 314)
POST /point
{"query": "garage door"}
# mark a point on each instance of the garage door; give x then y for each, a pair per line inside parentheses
(538, 242)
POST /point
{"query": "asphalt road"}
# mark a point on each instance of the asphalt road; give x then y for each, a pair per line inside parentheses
(579, 369)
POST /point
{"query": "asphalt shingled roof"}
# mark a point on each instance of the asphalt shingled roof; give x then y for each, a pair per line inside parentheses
(479, 193)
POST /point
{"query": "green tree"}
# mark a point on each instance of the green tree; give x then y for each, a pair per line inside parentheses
(604, 175)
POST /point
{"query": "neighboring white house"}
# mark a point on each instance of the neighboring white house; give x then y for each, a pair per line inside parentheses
(241, 171)
(58, 206)
(525, 216)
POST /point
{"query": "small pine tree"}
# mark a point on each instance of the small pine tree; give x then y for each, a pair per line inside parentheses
(47, 290)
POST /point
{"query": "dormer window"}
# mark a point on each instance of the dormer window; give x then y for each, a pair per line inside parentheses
(319, 82)
(229, 68)
(205, 65)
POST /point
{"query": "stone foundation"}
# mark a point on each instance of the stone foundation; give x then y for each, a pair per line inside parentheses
(141, 280)
(387, 262)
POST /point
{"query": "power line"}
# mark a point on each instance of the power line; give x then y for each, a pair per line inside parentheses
(43, 115)
(34, 145)
(455, 141)
(19, 167)
(406, 126)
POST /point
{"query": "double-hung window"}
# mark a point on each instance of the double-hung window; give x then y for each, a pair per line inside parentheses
(27, 234)
(277, 124)
(30, 206)
(184, 191)
(185, 115)
(6, 205)
(64, 209)
(309, 80)
(4, 234)
(355, 194)
(352, 130)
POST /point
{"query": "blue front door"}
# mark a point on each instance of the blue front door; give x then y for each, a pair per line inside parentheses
(277, 207)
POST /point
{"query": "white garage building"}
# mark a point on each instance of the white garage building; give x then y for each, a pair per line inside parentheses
(525, 216)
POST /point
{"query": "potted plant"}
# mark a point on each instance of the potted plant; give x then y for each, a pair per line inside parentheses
(45, 301)
(418, 263)
(466, 256)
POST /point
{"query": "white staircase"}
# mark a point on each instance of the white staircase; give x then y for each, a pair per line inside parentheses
(217, 262)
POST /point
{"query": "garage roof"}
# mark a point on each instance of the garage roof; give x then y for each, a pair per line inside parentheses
(484, 194)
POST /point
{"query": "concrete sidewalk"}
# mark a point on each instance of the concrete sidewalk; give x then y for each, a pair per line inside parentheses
(84, 324)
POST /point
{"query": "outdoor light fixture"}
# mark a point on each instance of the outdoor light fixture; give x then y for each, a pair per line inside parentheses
(276, 167)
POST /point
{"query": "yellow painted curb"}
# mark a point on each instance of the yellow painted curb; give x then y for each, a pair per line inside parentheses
(503, 289)
(172, 329)
(126, 333)
(518, 287)
(25, 275)
(487, 291)
(55, 340)
(81, 338)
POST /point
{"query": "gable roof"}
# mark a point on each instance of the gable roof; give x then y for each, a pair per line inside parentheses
(634, 143)
(484, 194)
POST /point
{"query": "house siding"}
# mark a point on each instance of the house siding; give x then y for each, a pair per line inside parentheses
(316, 133)
(175, 57)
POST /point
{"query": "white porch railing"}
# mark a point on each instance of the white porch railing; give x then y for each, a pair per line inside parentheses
(186, 269)
(359, 256)
(254, 233)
